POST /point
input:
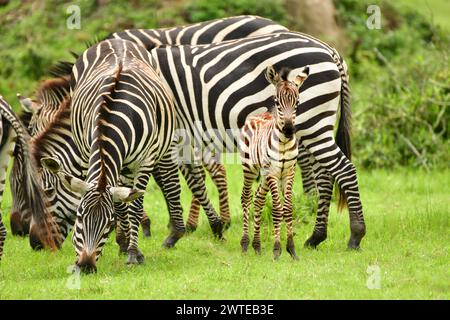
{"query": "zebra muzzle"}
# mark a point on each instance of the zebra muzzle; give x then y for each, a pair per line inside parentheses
(86, 262)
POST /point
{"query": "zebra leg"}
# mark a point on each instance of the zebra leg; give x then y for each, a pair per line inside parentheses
(277, 214)
(246, 199)
(287, 213)
(344, 173)
(122, 226)
(325, 188)
(305, 163)
(166, 176)
(196, 182)
(219, 177)
(145, 224)
(135, 212)
(260, 200)
(2, 235)
(194, 211)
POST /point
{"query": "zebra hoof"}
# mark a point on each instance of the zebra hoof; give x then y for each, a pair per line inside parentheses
(353, 244)
(217, 228)
(146, 228)
(276, 250)
(315, 240)
(226, 225)
(256, 244)
(290, 247)
(172, 239)
(358, 232)
(135, 258)
(244, 243)
(190, 228)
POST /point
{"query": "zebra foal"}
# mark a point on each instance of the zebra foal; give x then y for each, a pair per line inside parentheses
(269, 149)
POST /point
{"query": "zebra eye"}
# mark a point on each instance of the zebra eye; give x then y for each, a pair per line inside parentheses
(49, 191)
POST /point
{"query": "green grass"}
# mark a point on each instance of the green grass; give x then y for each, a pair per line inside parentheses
(406, 212)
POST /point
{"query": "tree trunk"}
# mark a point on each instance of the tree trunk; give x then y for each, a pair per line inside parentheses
(317, 18)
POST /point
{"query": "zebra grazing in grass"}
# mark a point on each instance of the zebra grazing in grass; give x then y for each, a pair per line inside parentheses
(217, 86)
(269, 149)
(204, 33)
(123, 122)
(42, 227)
(48, 121)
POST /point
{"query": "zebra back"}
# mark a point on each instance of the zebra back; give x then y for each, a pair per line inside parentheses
(203, 32)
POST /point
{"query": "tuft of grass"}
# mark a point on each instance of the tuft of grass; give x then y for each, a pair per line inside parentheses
(406, 213)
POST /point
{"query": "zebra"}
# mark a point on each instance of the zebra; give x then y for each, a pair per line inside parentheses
(42, 114)
(42, 228)
(269, 149)
(207, 32)
(217, 86)
(123, 122)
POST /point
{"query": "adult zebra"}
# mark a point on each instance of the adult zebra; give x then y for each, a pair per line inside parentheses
(123, 122)
(13, 132)
(217, 86)
(41, 116)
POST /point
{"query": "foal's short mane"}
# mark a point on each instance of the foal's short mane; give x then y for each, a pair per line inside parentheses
(39, 142)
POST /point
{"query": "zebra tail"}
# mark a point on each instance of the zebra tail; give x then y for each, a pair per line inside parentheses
(44, 228)
(343, 134)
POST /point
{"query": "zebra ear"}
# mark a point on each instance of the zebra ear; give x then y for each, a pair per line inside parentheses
(27, 104)
(123, 194)
(73, 183)
(271, 75)
(300, 78)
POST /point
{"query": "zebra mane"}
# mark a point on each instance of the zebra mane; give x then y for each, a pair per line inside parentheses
(105, 94)
(63, 68)
(58, 87)
(39, 142)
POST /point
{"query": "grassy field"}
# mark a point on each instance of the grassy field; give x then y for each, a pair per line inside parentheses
(407, 215)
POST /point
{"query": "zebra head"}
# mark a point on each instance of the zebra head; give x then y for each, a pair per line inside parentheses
(286, 97)
(95, 213)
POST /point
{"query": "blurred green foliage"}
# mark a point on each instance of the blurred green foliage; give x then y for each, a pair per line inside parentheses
(400, 78)
(399, 74)
(202, 10)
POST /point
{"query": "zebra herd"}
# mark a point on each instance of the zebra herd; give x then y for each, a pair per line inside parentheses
(146, 103)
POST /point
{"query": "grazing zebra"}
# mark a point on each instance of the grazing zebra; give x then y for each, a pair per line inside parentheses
(217, 86)
(123, 122)
(42, 227)
(204, 33)
(269, 149)
(49, 125)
